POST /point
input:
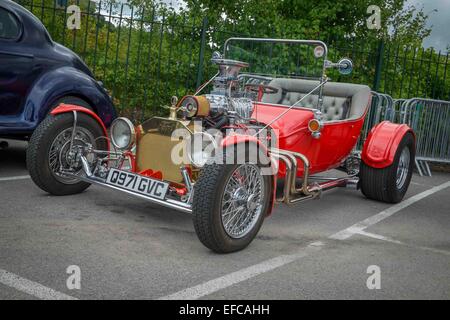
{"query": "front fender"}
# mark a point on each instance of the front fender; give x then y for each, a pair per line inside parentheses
(240, 141)
(240, 138)
(382, 142)
(66, 81)
(64, 108)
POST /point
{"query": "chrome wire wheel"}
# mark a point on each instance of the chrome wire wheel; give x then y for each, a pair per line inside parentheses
(242, 201)
(60, 158)
(403, 167)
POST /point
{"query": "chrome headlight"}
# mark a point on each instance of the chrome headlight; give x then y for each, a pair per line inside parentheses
(201, 147)
(123, 135)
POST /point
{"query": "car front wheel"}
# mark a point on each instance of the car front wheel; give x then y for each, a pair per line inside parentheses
(229, 205)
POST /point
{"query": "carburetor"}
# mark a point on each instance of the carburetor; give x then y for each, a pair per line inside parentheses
(226, 98)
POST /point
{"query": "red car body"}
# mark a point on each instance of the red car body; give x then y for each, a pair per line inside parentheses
(337, 138)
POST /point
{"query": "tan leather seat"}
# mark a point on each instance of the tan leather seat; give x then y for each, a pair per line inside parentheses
(340, 100)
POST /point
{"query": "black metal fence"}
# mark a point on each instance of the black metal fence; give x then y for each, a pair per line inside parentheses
(145, 55)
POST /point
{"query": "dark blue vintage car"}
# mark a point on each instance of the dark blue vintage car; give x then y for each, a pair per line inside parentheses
(37, 74)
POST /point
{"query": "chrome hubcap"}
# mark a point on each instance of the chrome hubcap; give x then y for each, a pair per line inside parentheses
(403, 167)
(61, 159)
(242, 201)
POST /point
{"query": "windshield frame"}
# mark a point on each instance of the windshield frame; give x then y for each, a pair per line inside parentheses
(322, 44)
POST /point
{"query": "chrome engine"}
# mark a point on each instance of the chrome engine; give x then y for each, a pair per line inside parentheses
(227, 101)
(239, 108)
(226, 95)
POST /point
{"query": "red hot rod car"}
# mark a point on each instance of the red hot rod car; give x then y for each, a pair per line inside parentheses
(258, 138)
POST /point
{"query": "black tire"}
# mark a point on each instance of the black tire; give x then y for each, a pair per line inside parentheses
(207, 201)
(381, 184)
(71, 100)
(39, 146)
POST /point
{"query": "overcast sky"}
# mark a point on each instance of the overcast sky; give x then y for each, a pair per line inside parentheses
(439, 21)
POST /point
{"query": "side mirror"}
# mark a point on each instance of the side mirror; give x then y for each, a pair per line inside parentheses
(345, 66)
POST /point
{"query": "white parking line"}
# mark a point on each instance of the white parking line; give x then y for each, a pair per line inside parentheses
(14, 178)
(360, 226)
(388, 239)
(32, 288)
(241, 275)
(230, 279)
(378, 237)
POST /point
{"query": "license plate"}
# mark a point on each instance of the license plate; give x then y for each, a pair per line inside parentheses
(137, 183)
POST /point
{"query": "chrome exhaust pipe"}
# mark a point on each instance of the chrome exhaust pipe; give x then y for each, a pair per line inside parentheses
(292, 194)
(288, 178)
(294, 156)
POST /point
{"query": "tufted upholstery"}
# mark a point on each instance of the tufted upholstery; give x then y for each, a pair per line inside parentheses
(340, 100)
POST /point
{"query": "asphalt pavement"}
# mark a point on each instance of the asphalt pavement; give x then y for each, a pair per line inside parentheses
(126, 248)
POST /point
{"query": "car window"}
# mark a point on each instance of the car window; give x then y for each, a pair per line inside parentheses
(9, 26)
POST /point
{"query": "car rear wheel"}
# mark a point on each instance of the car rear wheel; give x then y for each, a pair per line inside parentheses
(229, 206)
(391, 183)
(49, 156)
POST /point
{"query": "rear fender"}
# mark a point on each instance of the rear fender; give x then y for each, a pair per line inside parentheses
(65, 108)
(62, 82)
(240, 141)
(381, 145)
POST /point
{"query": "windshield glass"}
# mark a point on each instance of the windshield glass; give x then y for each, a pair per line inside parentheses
(275, 58)
(280, 72)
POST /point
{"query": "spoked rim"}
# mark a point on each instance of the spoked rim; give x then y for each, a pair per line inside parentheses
(403, 167)
(242, 201)
(58, 155)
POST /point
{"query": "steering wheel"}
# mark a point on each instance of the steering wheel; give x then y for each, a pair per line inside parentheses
(257, 87)
(261, 89)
